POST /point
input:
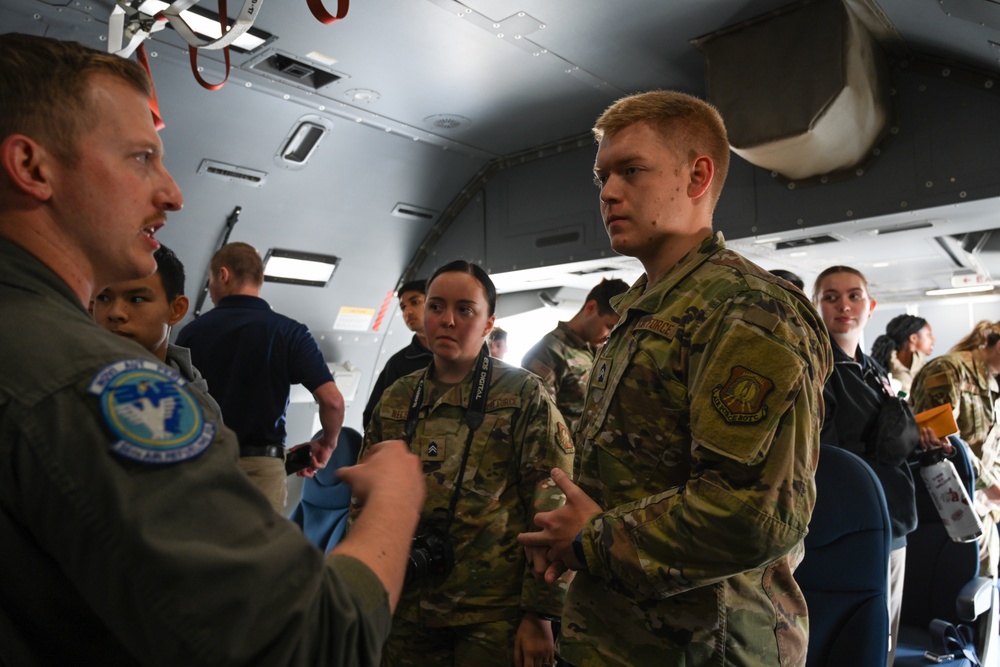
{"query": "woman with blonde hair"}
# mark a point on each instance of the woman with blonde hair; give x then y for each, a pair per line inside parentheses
(966, 378)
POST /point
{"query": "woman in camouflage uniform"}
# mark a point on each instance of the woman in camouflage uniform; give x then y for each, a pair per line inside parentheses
(486, 608)
(966, 378)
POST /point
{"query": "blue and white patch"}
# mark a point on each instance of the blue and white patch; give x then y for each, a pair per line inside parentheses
(156, 419)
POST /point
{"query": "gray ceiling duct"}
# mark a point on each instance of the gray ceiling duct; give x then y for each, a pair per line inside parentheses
(803, 90)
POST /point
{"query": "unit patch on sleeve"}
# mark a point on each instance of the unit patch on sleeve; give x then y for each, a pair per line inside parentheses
(146, 405)
(564, 439)
(741, 399)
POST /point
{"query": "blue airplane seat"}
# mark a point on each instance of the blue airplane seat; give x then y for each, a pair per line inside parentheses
(322, 511)
(942, 582)
(844, 574)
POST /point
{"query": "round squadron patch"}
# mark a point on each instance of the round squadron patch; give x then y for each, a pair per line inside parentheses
(147, 407)
(741, 399)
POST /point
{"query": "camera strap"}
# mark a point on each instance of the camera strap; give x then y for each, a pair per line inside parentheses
(475, 413)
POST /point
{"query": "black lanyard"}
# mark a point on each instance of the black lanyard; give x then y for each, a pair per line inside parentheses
(475, 413)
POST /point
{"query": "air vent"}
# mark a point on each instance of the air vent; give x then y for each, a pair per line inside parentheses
(232, 173)
(906, 227)
(293, 70)
(413, 212)
(557, 239)
(447, 121)
(806, 242)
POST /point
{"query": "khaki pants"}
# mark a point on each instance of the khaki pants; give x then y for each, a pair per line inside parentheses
(268, 473)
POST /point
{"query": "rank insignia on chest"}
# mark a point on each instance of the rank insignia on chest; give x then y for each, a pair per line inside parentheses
(147, 407)
(433, 451)
(599, 376)
(741, 399)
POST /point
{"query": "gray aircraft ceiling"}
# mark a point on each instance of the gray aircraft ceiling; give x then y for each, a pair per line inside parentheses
(422, 97)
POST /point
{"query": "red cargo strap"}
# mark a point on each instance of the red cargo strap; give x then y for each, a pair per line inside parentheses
(323, 16)
(154, 105)
(193, 52)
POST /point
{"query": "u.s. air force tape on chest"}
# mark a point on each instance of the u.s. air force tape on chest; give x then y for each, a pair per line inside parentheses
(147, 406)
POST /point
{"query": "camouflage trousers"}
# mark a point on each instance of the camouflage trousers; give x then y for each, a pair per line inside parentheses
(480, 645)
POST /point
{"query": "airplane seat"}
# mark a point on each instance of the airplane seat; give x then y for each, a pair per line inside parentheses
(942, 582)
(322, 511)
(844, 574)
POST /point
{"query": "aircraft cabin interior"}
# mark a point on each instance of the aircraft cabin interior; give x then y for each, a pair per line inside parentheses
(409, 133)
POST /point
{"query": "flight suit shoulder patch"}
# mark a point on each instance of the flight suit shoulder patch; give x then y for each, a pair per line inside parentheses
(148, 408)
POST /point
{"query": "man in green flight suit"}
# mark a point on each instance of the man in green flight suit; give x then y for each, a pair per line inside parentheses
(700, 436)
(129, 534)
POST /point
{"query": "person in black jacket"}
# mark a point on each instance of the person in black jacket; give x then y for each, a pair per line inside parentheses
(415, 356)
(853, 396)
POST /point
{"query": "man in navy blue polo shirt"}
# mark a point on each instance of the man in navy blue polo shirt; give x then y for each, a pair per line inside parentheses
(251, 356)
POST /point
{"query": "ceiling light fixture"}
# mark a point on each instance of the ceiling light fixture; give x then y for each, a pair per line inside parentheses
(206, 24)
(301, 141)
(299, 268)
(968, 289)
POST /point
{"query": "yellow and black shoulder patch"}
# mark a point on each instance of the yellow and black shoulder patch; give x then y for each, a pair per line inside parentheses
(741, 399)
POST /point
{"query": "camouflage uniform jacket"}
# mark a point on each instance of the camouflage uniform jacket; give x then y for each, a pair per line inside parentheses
(563, 360)
(964, 380)
(701, 437)
(506, 482)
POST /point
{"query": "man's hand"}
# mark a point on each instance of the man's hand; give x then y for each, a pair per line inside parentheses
(390, 484)
(388, 469)
(331, 418)
(550, 550)
(534, 645)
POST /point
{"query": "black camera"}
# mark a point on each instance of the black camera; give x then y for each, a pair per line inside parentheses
(430, 556)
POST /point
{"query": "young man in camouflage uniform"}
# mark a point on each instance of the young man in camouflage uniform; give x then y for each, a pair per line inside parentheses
(700, 435)
(564, 356)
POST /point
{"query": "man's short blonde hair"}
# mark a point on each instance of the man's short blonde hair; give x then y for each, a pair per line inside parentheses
(690, 126)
